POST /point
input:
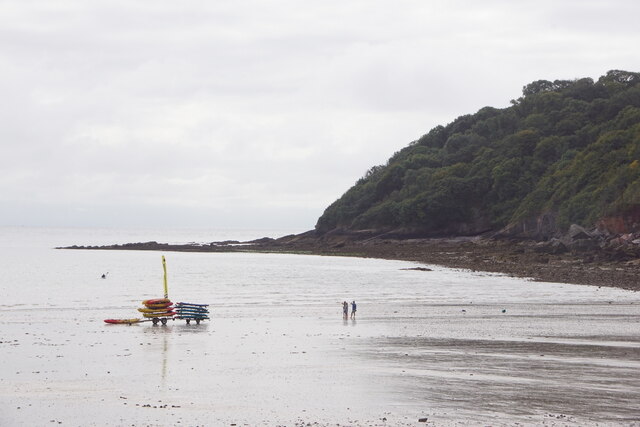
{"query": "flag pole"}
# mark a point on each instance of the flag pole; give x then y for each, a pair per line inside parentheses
(164, 267)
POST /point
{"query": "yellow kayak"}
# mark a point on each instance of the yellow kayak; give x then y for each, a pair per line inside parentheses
(155, 310)
(165, 314)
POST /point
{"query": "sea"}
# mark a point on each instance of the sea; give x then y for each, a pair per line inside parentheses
(446, 346)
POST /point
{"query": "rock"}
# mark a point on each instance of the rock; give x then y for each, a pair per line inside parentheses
(541, 247)
(600, 234)
(615, 242)
(577, 232)
(620, 255)
(552, 247)
(583, 245)
(263, 240)
(557, 247)
(224, 243)
(542, 259)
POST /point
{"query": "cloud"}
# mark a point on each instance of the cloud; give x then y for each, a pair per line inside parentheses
(247, 113)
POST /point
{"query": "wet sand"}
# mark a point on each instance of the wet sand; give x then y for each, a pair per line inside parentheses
(575, 364)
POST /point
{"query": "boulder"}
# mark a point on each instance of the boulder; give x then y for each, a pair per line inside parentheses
(552, 247)
(583, 245)
(557, 247)
(577, 232)
(614, 243)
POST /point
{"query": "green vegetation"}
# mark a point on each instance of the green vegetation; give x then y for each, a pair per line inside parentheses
(570, 149)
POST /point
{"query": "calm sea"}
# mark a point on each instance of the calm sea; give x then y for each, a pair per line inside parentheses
(36, 275)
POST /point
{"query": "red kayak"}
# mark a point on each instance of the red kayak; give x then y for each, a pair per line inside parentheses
(157, 301)
(122, 321)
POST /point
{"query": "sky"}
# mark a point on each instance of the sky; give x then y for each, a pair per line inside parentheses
(258, 114)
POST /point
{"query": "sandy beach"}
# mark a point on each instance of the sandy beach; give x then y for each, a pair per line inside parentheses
(482, 367)
(445, 346)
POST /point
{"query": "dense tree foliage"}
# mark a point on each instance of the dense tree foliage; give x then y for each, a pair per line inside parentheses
(569, 148)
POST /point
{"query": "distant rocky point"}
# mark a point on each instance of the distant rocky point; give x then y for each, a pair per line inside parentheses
(580, 256)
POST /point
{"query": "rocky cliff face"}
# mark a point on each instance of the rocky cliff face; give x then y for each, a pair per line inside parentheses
(627, 222)
(542, 227)
(612, 238)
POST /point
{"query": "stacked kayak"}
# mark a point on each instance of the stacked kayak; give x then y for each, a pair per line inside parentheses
(158, 310)
(190, 311)
(162, 309)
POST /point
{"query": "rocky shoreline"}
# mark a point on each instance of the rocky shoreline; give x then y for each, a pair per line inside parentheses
(580, 257)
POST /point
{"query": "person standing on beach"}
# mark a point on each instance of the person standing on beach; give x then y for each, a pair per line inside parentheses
(345, 309)
(353, 309)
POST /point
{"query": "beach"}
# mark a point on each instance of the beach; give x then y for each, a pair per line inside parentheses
(267, 367)
(429, 346)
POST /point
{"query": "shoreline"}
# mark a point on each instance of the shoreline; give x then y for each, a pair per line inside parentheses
(522, 259)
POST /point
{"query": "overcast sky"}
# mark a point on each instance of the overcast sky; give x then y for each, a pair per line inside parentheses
(258, 114)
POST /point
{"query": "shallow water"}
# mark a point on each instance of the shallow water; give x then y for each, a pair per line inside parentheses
(452, 346)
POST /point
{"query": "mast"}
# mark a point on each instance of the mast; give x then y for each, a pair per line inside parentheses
(164, 267)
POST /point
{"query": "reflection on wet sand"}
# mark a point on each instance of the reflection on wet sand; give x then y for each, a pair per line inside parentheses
(165, 332)
(591, 377)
